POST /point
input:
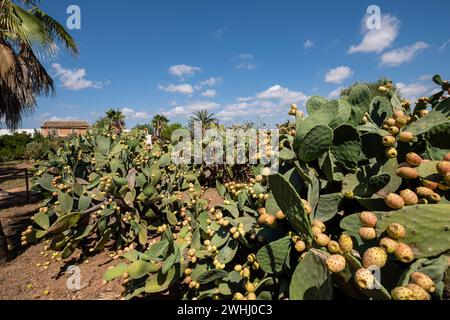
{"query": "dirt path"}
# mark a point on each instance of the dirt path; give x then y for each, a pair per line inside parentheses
(29, 278)
(36, 274)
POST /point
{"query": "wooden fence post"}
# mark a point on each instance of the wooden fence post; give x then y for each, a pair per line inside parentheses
(3, 246)
(28, 186)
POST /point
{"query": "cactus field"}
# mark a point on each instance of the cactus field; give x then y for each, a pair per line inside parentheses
(359, 208)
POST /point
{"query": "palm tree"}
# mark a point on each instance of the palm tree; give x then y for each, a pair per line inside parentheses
(116, 120)
(158, 123)
(24, 34)
(203, 117)
(3, 246)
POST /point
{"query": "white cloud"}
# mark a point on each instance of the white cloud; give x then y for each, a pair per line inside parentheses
(211, 93)
(74, 79)
(268, 103)
(284, 95)
(177, 88)
(339, 74)
(309, 44)
(189, 108)
(183, 70)
(413, 90)
(336, 93)
(219, 32)
(134, 115)
(246, 66)
(399, 56)
(245, 61)
(444, 45)
(377, 40)
(211, 82)
(243, 56)
(426, 77)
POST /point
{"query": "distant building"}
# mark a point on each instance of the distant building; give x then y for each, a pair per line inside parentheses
(64, 128)
(6, 132)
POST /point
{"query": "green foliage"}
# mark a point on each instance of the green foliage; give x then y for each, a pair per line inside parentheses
(269, 235)
(20, 146)
(166, 133)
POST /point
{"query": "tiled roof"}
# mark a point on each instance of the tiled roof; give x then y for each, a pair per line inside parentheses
(65, 124)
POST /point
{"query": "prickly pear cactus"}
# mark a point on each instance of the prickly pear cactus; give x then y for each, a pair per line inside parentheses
(363, 187)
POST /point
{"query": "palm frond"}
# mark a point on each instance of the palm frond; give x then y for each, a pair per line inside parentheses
(22, 26)
(21, 81)
(56, 30)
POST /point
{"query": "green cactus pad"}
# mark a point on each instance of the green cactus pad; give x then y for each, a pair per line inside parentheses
(344, 112)
(428, 227)
(311, 279)
(115, 272)
(359, 100)
(160, 282)
(138, 269)
(316, 143)
(438, 116)
(347, 146)
(380, 110)
(272, 257)
(290, 202)
(328, 207)
(315, 104)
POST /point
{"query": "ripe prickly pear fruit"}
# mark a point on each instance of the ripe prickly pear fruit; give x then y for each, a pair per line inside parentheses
(402, 293)
(414, 159)
(430, 184)
(399, 114)
(322, 240)
(404, 253)
(443, 167)
(389, 141)
(396, 231)
(365, 279)
(319, 224)
(270, 220)
(419, 292)
(406, 136)
(393, 130)
(368, 219)
(434, 198)
(346, 243)
(336, 263)
(300, 246)
(447, 157)
(391, 153)
(394, 201)
(424, 192)
(307, 207)
(316, 231)
(401, 121)
(375, 256)
(423, 281)
(367, 233)
(389, 245)
(333, 247)
(266, 172)
(407, 173)
(280, 215)
(410, 197)
(390, 122)
(447, 178)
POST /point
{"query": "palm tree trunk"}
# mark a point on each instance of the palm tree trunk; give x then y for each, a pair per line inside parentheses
(3, 246)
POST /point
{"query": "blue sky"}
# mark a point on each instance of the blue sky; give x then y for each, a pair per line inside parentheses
(242, 60)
